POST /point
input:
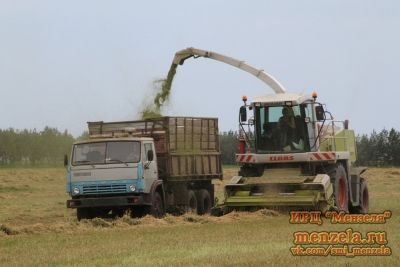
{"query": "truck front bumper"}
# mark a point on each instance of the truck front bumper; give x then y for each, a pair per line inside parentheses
(123, 201)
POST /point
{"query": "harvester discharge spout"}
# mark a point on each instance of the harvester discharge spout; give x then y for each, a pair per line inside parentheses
(267, 78)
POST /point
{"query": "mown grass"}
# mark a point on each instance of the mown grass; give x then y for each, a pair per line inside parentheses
(37, 230)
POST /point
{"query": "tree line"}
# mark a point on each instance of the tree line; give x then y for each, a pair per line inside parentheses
(379, 149)
(32, 147)
(48, 146)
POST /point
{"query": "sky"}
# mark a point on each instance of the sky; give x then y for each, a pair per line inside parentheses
(63, 63)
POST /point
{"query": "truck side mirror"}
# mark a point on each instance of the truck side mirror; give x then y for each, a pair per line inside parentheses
(243, 114)
(150, 155)
(65, 160)
(320, 113)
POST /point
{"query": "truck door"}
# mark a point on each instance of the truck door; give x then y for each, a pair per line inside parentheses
(150, 171)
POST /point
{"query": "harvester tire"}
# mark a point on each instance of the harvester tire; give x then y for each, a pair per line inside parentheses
(192, 202)
(203, 202)
(364, 198)
(157, 206)
(340, 188)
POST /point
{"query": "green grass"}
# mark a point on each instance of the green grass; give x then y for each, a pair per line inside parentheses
(41, 231)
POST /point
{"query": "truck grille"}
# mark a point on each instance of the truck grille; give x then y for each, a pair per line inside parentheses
(104, 188)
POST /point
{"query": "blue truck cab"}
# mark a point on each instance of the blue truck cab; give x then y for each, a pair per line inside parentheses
(110, 174)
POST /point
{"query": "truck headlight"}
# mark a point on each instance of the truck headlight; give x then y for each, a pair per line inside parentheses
(132, 188)
(76, 190)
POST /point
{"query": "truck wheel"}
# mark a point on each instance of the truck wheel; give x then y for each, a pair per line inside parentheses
(192, 202)
(139, 211)
(203, 202)
(157, 207)
(118, 213)
(364, 198)
(84, 213)
(340, 188)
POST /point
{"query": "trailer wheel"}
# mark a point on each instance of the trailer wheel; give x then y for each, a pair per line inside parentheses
(364, 198)
(157, 207)
(203, 202)
(192, 202)
(340, 187)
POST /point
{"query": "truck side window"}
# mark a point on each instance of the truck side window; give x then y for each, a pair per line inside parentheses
(147, 147)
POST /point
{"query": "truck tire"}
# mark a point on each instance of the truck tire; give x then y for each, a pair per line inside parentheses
(139, 211)
(84, 213)
(192, 202)
(340, 188)
(157, 207)
(203, 202)
(364, 198)
(118, 213)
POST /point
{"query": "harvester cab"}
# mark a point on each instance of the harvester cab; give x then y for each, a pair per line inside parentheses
(282, 123)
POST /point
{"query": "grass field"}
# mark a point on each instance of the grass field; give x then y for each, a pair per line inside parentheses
(37, 229)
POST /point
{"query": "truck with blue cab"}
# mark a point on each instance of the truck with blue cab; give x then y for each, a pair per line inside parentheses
(145, 167)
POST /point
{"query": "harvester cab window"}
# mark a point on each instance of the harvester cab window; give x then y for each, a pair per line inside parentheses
(281, 129)
(274, 114)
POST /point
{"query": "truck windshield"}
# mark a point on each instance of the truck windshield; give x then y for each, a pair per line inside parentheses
(106, 153)
(281, 129)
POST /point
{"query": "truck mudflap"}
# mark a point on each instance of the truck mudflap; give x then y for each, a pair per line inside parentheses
(107, 202)
(317, 194)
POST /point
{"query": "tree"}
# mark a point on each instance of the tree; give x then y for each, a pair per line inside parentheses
(379, 149)
(228, 144)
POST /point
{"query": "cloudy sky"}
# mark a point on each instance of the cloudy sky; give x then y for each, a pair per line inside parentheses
(63, 63)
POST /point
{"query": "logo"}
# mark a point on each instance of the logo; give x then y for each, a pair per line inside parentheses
(281, 158)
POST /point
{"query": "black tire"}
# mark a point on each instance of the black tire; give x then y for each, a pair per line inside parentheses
(340, 188)
(116, 213)
(192, 202)
(84, 213)
(139, 211)
(364, 198)
(157, 207)
(203, 202)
